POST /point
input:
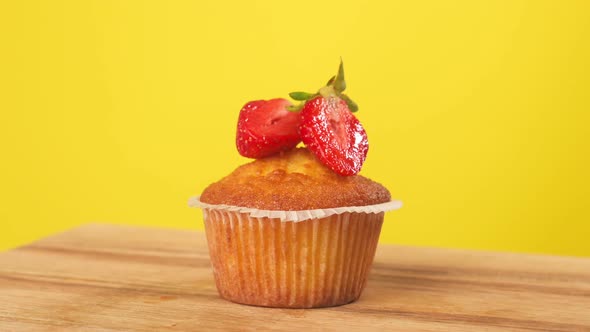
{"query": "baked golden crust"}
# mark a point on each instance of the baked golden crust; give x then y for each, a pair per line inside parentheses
(291, 181)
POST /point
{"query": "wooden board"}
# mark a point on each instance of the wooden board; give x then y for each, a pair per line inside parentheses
(112, 278)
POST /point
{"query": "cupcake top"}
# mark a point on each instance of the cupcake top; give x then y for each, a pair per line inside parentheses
(291, 181)
(283, 177)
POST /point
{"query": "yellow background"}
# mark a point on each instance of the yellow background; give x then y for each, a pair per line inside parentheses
(477, 111)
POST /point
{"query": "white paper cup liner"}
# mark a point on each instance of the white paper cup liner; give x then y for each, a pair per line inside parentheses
(292, 259)
(296, 216)
(266, 262)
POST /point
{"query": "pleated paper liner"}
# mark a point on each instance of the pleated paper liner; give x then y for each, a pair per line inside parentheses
(292, 263)
(297, 216)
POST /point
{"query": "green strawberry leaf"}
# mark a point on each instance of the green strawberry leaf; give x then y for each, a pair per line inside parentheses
(339, 82)
(331, 80)
(352, 106)
(295, 108)
(301, 96)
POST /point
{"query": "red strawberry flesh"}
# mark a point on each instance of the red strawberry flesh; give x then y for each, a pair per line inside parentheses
(334, 134)
(266, 127)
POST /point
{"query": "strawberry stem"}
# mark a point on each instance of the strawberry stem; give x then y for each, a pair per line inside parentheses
(334, 88)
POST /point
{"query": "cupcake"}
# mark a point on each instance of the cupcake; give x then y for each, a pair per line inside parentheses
(297, 227)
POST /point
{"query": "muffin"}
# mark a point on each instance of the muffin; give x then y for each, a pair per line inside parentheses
(316, 262)
(297, 227)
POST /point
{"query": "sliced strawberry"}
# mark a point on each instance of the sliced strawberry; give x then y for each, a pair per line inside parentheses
(330, 130)
(266, 127)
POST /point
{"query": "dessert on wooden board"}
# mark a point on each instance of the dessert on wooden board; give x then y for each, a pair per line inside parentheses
(297, 227)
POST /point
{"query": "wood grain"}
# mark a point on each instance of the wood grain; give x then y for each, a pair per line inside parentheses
(113, 278)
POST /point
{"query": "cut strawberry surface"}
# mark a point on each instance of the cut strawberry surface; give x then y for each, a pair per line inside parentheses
(266, 127)
(330, 130)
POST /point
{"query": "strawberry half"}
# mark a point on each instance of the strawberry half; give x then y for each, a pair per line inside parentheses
(266, 127)
(330, 130)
